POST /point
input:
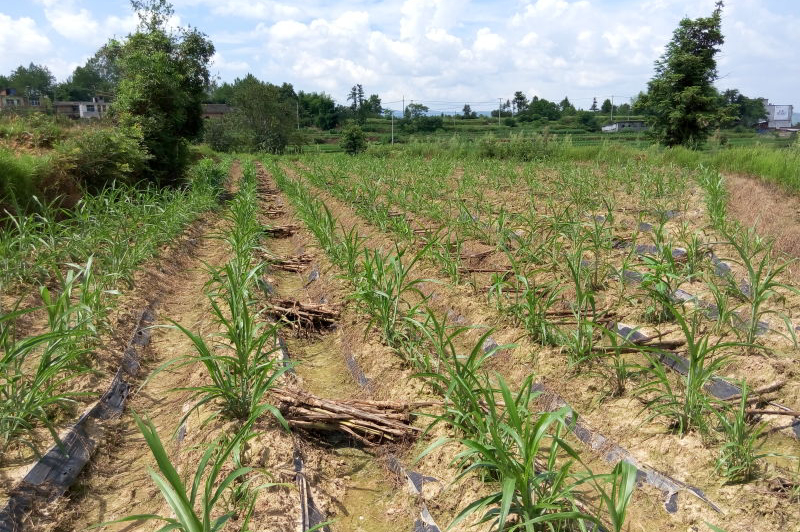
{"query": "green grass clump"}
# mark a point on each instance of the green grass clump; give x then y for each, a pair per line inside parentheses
(21, 179)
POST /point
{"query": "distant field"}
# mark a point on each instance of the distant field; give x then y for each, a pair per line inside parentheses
(380, 131)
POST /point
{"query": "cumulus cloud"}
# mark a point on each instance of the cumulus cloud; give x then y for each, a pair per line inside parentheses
(22, 41)
(449, 50)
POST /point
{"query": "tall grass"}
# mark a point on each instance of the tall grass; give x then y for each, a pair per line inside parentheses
(739, 455)
(36, 371)
(20, 179)
(778, 165)
(120, 227)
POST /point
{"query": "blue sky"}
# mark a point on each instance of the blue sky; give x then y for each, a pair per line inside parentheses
(441, 52)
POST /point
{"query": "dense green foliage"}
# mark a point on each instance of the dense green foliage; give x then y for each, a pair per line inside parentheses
(353, 139)
(741, 110)
(76, 159)
(99, 156)
(31, 81)
(163, 80)
(681, 100)
(20, 178)
(98, 77)
(263, 119)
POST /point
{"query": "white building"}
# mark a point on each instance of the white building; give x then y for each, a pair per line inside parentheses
(97, 108)
(778, 116)
(625, 125)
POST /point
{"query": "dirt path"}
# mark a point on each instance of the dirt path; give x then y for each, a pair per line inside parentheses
(352, 485)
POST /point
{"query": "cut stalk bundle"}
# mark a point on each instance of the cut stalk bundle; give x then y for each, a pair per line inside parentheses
(369, 422)
(305, 316)
(292, 264)
(282, 231)
(273, 212)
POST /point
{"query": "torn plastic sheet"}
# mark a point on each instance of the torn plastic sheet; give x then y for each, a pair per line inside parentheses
(415, 481)
(310, 515)
(355, 371)
(58, 469)
(717, 386)
(285, 357)
(425, 522)
(613, 453)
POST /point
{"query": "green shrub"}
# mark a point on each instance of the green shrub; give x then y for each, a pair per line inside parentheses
(353, 139)
(21, 178)
(37, 130)
(98, 157)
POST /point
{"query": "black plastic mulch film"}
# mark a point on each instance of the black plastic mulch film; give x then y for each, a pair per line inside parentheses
(53, 474)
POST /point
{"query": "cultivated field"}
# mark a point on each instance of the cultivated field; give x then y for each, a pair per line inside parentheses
(402, 342)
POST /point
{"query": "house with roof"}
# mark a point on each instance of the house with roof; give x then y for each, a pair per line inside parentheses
(625, 125)
(216, 110)
(98, 107)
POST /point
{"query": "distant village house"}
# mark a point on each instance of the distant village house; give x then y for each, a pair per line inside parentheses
(625, 125)
(97, 108)
(778, 116)
(11, 99)
(215, 110)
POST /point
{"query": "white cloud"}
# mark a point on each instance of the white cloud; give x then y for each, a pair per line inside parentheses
(254, 9)
(219, 62)
(21, 41)
(75, 25)
(452, 50)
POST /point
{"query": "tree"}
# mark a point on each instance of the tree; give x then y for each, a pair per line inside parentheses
(538, 109)
(467, 112)
(318, 109)
(566, 106)
(373, 105)
(624, 109)
(593, 108)
(33, 80)
(588, 120)
(98, 77)
(360, 95)
(606, 107)
(358, 105)
(220, 93)
(353, 98)
(741, 110)
(520, 102)
(163, 80)
(353, 139)
(681, 100)
(263, 114)
(416, 110)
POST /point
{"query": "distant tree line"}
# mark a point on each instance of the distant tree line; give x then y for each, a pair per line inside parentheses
(159, 78)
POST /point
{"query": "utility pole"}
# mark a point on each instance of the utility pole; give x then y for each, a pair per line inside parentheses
(404, 106)
(612, 108)
(297, 102)
(499, 104)
(393, 126)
